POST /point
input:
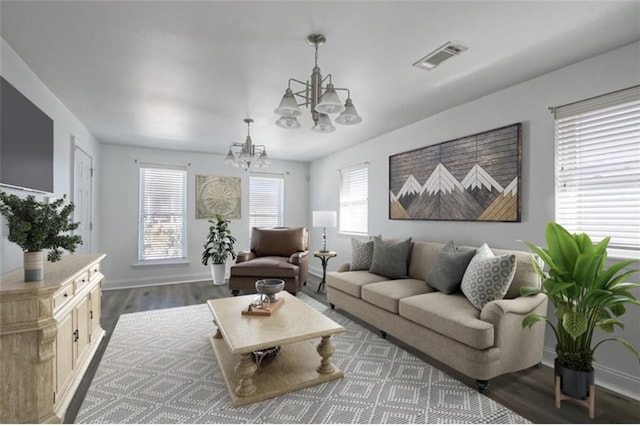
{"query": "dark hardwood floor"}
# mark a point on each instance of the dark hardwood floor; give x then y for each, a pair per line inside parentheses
(528, 393)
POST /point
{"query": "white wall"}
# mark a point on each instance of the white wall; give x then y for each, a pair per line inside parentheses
(527, 103)
(65, 124)
(119, 211)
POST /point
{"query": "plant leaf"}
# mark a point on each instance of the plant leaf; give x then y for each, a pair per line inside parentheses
(575, 323)
(562, 247)
(529, 320)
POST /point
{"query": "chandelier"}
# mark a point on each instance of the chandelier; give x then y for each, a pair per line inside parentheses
(247, 154)
(322, 98)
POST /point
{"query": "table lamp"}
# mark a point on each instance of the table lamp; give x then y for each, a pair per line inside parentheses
(324, 219)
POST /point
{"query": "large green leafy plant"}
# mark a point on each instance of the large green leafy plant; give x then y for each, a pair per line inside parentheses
(585, 292)
(36, 225)
(219, 244)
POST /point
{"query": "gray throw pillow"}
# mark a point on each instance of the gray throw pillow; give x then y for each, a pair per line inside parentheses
(390, 258)
(446, 274)
(488, 277)
(361, 255)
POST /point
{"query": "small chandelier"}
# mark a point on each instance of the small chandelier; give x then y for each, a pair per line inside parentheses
(247, 154)
(323, 99)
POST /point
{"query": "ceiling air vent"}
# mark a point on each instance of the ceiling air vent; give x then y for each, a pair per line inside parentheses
(438, 56)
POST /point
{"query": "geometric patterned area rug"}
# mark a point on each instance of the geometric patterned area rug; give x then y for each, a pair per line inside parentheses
(159, 367)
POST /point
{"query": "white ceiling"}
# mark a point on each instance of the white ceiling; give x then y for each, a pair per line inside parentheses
(183, 75)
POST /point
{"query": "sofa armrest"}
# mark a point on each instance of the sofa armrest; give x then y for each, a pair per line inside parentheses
(518, 345)
(344, 267)
(296, 258)
(243, 256)
(495, 310)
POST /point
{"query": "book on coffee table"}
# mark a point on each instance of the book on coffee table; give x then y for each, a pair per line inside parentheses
(263, 311)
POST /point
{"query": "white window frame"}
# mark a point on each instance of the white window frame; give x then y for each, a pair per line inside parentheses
(597, 156)
(354, 200)
(180, 210)
(266, 219)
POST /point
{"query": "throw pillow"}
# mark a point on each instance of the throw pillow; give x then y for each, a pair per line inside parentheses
(390, 258)
(488, 277)
(361, 255)
(446, 274)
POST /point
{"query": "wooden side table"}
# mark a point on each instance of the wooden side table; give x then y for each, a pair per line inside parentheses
(324, 257)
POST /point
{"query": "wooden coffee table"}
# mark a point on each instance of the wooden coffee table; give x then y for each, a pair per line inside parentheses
(297, 365)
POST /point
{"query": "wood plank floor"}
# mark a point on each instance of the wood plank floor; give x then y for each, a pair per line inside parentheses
(528, 393)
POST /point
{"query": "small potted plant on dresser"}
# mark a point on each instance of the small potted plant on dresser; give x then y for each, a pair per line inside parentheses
(217, 248)
(586, 295)
(36, 226)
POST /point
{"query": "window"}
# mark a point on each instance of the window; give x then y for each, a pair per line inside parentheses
(354, 190)
(162, 220)
(598, 169)
(266, 200)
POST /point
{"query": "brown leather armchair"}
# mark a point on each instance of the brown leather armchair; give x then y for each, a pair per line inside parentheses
(274, 253)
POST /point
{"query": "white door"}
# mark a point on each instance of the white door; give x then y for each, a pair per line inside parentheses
(82, 192)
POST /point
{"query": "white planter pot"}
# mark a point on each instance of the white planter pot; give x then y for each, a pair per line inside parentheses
(218, 272)
(33, 266)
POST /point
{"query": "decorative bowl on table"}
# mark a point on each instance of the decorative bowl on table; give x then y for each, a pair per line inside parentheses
(270, 287)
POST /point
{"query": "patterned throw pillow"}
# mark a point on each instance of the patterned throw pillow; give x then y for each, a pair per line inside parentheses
(390, 258)
(488, 277)
(445, 275)
(361, 255)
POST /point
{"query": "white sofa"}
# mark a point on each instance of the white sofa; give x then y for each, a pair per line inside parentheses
(447, 327)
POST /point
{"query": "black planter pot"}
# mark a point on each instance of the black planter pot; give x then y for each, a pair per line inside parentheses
(574, 383)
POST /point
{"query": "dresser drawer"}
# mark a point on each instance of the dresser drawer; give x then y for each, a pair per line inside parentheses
(94, 270)
(81, 281)
(62, 296)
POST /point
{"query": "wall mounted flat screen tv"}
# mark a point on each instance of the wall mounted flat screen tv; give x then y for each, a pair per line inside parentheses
(26, 142)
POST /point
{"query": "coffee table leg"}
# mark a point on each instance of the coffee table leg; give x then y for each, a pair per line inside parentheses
(325, 349)
(245, 369)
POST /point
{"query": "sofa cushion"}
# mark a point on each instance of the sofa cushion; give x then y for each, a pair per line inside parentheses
(446, 274)
(390, 257)
(488, 276)
(351, 282)
(451, 315)
(387, 294)
(277, 241)
(361, 255)
(268, 266)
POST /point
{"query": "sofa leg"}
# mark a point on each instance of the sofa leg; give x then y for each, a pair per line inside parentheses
(383, 334)
(482, 385)
(333, 307)
(235, 292)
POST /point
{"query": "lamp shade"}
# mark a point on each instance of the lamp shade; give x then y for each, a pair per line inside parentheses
(349, 115)
(323, 125)
(288, 122)
(330, 103)
(288, 106)
(324, 218)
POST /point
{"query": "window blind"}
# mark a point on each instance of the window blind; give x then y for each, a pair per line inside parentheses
(354, 207)
(598, 168)
(266, 200)
(162, 220)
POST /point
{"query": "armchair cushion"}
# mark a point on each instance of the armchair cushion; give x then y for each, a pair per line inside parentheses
(277, 242)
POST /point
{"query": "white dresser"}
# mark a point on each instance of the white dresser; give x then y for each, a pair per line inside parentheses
(49, 332)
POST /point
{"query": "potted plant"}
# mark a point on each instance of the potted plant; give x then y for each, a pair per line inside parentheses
(218, 247)
(36, 226)
(586, 295)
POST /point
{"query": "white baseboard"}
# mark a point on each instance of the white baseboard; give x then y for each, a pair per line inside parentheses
(607, 377)
(149, 282)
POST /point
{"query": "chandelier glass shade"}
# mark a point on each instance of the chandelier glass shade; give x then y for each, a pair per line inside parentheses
(247, 154)
(322, 99)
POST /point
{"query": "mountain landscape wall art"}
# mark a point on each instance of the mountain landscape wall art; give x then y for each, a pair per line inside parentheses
(474, 178)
